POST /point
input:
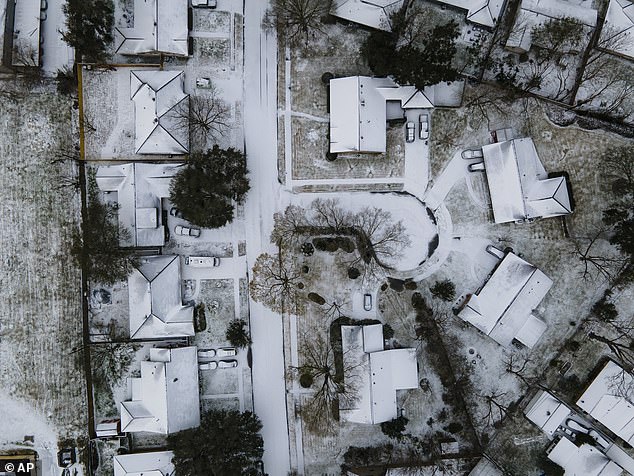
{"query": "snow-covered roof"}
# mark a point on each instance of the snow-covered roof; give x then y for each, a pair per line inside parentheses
(486, 467)
(140, 189)
(533, 13)
(26, 33)
(482, 12)
(610, 400)
(160, 26)
(156, 307)
(372, 13)
(156, 95)
(547, 412)
(584, 460)
(519, 185)
(504, 304)
(165, 398)
(378, 374)
(617, 33)
(358, 109)
(156, 463)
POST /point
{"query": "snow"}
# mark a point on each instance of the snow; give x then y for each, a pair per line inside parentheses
(547, 412)
(482, 12)
(372, 13)
(157, 463)
(55, 53)
(26, 32)
(583, 460)
(617, 33)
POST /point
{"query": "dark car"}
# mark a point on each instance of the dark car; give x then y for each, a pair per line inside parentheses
(66, 457)
(175, 212)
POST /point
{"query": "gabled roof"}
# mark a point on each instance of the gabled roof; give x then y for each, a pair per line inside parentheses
(156, 308)
(547, 412)
(482, 12)
(372, 13)
(156, 95)
(165, 399)
(505, 303)
(584, 460)
(617, 33)
(610, 400)
(160, 26)
(156, 463)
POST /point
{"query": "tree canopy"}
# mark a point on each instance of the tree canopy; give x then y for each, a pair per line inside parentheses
(618, 164)
(205, 188)
(89, 25)
(237, 334)
(227, 443)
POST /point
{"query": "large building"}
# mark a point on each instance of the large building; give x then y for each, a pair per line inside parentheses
(373, 13)
(155, 303)
(140, 190)
(481, 12)
(503, 308)
(160, 109)
(160, 26)
(165, 399)
(520, 187)
(617, 32)
(156, 463)
(374, 374)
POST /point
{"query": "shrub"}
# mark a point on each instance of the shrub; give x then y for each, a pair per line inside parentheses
(394, 428)
(237, 334)
(306, 380)
(316, 298)
(454, 427)
(353, 273)
(200, 321)
(445, 290)
(388, 332)
(604, 310)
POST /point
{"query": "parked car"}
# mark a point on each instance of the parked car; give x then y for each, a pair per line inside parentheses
(423, 124)
(498, 253)
(410, 131)
(66, 457)
(227, 364)
(208, 366)
(367, 302)
(205, 3)
(202, 261)
(204, 83)
(206, 353)
(477, 167)
(175, 212)
(187, 231)
(226, 352)
(472, 154)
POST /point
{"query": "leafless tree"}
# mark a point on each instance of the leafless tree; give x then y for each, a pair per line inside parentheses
(484, 103)
(204, 115)
(496, 409)
(621, 345)
(519, 366)
(299, 20)
(276, 283)
(594, 264)
(111, 361)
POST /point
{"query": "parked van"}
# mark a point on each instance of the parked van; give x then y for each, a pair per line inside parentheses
(202, 261)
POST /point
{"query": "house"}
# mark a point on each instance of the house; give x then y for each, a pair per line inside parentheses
(486, 467)
(140, 190)
(547, 412)
(534, 13)
(503, 308)
(156, 463)
(160, 26)
(617, 32)
(583, 460)
(156, 307)
(481, 12)
(609, 399)
(360, 107)
(519, 186)
(159, 102)
(374, 375)
(165, 398)
(372, 13)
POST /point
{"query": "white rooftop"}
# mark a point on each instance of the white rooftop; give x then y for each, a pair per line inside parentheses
(160, 26)
(140, 188)
(372, 13)
(503, 307)
(156, 95)
(378, 374)
(547, 412)
(482, 12)
(609, 399)
(165, 398)
(26, 33)
(584, 460)
(486, 467)
(156, 463)
(155, 303)
(617, 33)
(519, 185)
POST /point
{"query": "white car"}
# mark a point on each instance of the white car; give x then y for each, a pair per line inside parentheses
(227, 364)
(202, 261)
(226, 352)
(208, 366)
(472, 154)
(206, 353)
(477, 167)
(410, 131)
(423, 124)
(187, 231)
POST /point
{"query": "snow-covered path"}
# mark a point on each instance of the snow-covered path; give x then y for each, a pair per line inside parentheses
(260, 92)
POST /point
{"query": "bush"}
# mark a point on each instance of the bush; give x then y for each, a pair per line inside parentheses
(353, 273)
(89, 26)
(411, 285)
(334, 243)
(604, 310)
(237, 334)
(388, 332)
(306, 380)
(454, 427)
(200, 321)
(445, 290)
(394, 428)
(316, 298)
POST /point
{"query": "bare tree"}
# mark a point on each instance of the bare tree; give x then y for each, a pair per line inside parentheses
(595, 264)
(204, 115)
(519, 366)
(111, 361)
(496, 409)
(276, 283)
(299, 20)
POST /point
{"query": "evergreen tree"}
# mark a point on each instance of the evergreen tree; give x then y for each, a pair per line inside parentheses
(89, 27)
(237, 334)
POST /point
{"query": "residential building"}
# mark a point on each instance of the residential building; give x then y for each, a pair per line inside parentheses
(373, 13)
(140, 190)
(617, 32)
(159, 102)
(534, 13)
(156, 463)
(520, 187)
(486, 467)
(360, 107)
(481, 12)
(165, 399)
(374, 374)
(583, 460)
(547, 412)
(503, 307)
(160, 26)
(609, 399)
(155, 303)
